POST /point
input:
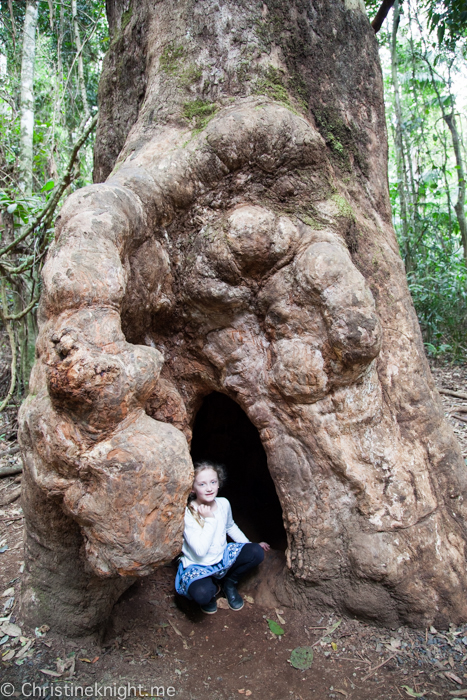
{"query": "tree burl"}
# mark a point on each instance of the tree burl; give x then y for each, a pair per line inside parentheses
(238, 239)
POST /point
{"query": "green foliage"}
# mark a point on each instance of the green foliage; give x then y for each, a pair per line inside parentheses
(439, 292)
(60, 114)
(449, 19)
(429, 234)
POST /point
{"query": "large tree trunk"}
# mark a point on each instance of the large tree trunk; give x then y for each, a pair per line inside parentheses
(242, 243)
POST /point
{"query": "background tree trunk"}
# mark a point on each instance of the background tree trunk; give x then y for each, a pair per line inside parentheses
(242, 243)
(459, 206)
(399, 143)
(78, 45)
(27, 97)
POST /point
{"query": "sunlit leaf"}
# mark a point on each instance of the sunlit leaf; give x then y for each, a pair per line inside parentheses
(275, 628)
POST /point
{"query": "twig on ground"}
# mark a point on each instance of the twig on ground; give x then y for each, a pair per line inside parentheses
(11, 451)
(10, 471)
(372, 670)
(457, 394)
(14, 495)
(329, 630)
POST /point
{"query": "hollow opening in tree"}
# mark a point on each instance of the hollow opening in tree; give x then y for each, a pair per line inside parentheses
(223, 433)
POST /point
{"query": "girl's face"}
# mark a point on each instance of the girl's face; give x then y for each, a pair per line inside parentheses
(206, 486)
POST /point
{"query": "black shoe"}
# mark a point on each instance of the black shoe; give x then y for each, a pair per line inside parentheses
(210, 608)
(234, 599)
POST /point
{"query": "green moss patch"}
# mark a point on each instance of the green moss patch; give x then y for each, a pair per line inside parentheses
(341, 138)
(199, 111)
(274, 84)
(170, 59)
(343, 206)
(126, 17)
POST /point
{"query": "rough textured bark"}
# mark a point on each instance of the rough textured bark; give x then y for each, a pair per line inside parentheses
(241, 243)
(27, 97)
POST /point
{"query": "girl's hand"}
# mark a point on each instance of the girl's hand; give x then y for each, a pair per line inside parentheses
(205, 511)
(265, 546)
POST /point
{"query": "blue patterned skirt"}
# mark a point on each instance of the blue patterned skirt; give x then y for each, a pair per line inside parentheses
(185, 577)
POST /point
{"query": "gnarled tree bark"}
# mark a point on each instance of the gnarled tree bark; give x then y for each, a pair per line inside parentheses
(241, 243)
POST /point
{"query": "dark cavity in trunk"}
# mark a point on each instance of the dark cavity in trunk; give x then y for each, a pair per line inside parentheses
(224, 434)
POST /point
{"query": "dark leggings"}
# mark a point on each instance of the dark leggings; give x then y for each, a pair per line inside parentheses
(204, 589)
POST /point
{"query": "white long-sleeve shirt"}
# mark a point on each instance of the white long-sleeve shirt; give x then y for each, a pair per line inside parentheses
(205, 545)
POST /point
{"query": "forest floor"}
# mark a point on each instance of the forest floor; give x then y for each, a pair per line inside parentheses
(158, 645)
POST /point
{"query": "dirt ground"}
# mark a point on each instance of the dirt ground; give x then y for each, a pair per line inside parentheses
(158, 645)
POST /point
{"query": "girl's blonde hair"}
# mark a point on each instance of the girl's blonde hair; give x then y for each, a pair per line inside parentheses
(221, 476)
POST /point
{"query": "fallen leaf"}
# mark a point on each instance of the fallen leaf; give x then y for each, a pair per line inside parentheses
(248, 692)
(411, 692)
(333, 628)
(248, 598)
(342, 692)
(302, 658)
(96, 658)
(452, 677)
(274, 627)
(242, 691)
(23, 651)
(175, 629)
(461, 693)
(42, 630)
(9, 655)
(222, 603)
(48, 672)
(279, 617)
(11, 629)
(394, 644)
(3, 549)
(8, 592)
(66, 667)
(334, 646)
(9, 604)
(87, 661)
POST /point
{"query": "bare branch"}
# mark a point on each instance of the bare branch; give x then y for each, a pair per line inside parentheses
(382, 14)
(26, 310)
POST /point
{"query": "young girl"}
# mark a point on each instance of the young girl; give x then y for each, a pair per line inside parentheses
(206, 554)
